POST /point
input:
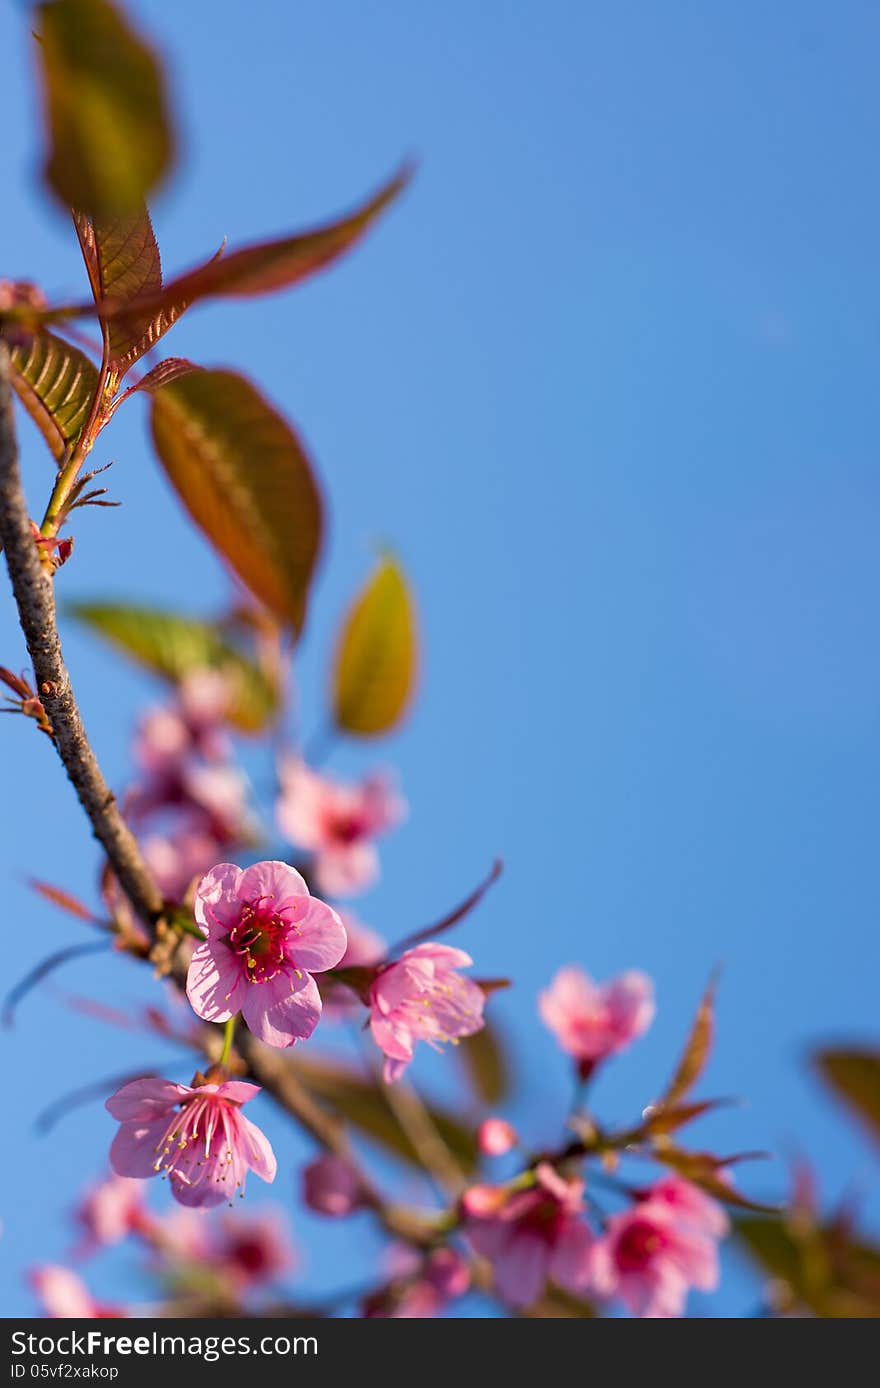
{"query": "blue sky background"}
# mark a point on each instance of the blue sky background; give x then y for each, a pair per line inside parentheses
(606, 378)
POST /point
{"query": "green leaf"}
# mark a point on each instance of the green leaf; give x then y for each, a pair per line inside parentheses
(171, 646)
(854, 1075)
(245, 479)
(109, 133)
(272, 265)
(486, 1064)
(56, 383)
(374, 672)
(362, 1104)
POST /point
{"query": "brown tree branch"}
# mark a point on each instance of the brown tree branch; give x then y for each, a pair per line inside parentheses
(33, 590)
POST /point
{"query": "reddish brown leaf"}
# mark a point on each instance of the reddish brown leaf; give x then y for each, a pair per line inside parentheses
(268, 265)
(707, 1172)
(162, 374)
(245, 479)
(696, 1051)
(123, 264)
(66, 900)
(854, 1076)
(668, 1120)
(464, 908)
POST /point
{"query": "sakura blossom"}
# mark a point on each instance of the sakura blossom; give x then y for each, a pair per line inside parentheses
(65, 1296)
(197, 1136)
(495, 1137)
(265, 936)
(338, 823)
(649, 1260)
(110, 1211)
(422, 997)
(691, 1206)
(252, 1250)
(331, 1186)
(425, 1288)
(532, 1234)
(592, 1021)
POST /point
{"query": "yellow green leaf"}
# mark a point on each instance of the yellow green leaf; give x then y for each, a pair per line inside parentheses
(109, 133)
(376, 658)
(171, 645)
(56, 383)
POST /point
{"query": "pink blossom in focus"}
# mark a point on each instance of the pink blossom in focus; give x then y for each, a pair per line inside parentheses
(331, 1186)
(530, 1235)
(66, 1297)
(264, 938)
(689, 1205)
(421, 997)
(495, 1137)
(199, 1137)
(649, 1260)
(592, 1021)
(109, 1212)
(338, 823)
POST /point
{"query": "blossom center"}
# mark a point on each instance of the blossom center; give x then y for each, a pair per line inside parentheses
(198, 1142)
(258, 938)
(638, 1245)
(345, 828)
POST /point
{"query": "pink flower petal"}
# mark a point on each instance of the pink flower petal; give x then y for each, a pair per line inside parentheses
(136, 1148)
(216, 900)
(145, 1099)
(274, 880)
(215, 984)
(321, 941)
(281, 1018)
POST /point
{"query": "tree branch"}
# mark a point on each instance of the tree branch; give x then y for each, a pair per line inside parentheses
(34, 593)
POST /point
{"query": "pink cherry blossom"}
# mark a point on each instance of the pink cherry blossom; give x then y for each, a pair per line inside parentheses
(66, 1297)
(690, 1206)
(650, 1260)
(176, 859)
(421, 997)
(198, 1136)
(110, 1211)
(422, 1288)
(331, 1186)
(530, 1235)
(338, 823)
(264, 938)
(495, 1137)
(253, 1250)
(592, 1021)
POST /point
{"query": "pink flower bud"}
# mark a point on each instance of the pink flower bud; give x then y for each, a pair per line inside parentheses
(495, 1137)
(331, 1186)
